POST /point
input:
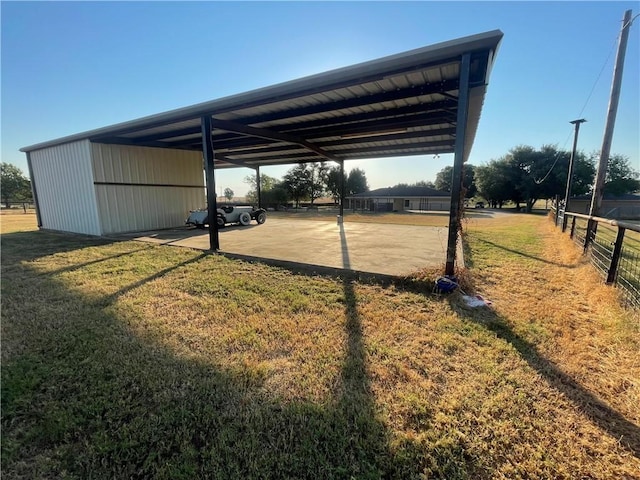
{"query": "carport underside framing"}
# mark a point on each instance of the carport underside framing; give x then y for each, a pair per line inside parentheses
(422, 102)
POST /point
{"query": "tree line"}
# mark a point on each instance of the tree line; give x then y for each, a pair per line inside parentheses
(15, 186)
(525, 175)
(522, 176)
(306, 182)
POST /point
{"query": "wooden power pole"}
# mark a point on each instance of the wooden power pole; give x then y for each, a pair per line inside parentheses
(598, 191)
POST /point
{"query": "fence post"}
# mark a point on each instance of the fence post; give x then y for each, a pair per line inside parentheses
(573, 227)
(564, 219)
(615, 258)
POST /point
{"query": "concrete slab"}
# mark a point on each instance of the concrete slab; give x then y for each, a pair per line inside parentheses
(364, 247)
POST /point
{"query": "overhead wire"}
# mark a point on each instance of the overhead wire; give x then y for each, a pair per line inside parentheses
(604, 65)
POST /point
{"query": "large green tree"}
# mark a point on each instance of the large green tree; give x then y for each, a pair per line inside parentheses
(272, 191)
(317, 179)
(357, 182)
(333, 183)
(296, 182)
(621, 178)
(444, 176)
(14, 185)
(494, 183)
(527, 175)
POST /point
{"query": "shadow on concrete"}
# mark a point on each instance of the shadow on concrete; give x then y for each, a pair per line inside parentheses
(344, 248)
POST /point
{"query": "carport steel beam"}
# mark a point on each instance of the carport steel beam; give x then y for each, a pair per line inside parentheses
(212, 207)
(458, 164)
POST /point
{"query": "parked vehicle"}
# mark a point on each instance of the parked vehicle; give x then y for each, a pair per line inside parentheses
(479, 205)
(241, 215)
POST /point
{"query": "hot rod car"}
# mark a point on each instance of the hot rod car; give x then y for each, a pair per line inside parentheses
(228, 214)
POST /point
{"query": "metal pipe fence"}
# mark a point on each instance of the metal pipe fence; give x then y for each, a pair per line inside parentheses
(613, 248)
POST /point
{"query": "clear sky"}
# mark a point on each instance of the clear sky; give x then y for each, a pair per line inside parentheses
(68, 67)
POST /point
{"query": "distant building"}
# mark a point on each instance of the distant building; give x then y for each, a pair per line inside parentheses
(399, 199)
(622, 207)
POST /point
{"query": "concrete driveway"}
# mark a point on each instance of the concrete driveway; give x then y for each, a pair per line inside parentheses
(364, 247)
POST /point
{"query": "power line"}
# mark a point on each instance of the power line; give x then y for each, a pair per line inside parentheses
(606, 62)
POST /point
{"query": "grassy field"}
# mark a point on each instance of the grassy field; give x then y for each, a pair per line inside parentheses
(128, 360)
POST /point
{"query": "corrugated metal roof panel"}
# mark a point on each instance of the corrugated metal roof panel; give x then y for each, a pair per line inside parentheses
(375, 96)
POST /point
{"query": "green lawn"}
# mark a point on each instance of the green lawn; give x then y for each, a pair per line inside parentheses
(128, 360)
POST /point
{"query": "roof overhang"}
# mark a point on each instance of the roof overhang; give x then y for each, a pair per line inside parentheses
(401, 105)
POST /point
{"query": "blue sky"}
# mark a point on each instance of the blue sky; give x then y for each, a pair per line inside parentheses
(69, 67)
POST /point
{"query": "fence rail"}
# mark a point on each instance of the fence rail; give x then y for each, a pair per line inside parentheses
(613, 247)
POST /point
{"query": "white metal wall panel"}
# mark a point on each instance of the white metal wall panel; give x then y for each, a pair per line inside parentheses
(64, 180)
(142, 188)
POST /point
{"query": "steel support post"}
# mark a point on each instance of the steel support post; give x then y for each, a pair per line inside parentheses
(212, 204)
(458, 162)
(34, 190)
(258, 191)
(342, 189)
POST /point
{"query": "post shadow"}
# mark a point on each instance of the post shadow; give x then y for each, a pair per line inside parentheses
(604, 416)
(346, 263)
(522, 254)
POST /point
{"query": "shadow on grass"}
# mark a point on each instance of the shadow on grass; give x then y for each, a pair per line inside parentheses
(26, 246)
(522, 254)
(86, 396)
(608, 419)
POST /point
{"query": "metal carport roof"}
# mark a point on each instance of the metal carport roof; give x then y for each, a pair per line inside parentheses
(400, 105)
(424, 101)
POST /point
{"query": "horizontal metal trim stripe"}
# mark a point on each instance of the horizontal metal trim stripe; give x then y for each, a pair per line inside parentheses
(126, 184)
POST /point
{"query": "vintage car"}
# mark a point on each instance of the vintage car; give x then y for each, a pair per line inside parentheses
(228, 214)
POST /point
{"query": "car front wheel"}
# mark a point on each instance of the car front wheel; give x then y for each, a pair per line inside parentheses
(261, 218)
(244, 219)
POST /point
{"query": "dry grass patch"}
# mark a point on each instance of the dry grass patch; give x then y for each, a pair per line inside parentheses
(128, 360)
(17, 221)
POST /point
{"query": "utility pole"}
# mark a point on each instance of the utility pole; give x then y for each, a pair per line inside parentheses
(567, 194)
(598, 191)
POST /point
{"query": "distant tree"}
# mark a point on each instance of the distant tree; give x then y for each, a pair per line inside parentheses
(296, 182)
(333, 183)
(228, 194)
(444, 176)
(357, 182)
(419, 183)
(494, 183)
(443, 179)
(621, 178)
(318, 172)
(424, 183)
(14, 185)
(526, 175)
(272, 191)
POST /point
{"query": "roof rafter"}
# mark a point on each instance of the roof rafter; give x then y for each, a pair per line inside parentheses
(270, 135)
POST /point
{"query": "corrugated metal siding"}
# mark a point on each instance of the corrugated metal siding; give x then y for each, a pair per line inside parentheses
(66, 195)
(129, 208)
